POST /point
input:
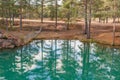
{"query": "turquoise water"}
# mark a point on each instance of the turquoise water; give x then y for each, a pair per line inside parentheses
(60, 60)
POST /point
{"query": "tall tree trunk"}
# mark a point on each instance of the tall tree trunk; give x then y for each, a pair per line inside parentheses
(42, 2)
(114, 27)
(56, 14)
(13, 19)
(99, 19)
(89, 18)
(13, 14)
(86, 20)
(114, 24)
(118, 19)
(29, 10)
(2, 13)
(10, 17)
(68, 18)
(68, 23)
(106, 19)
(20, 21)
(6, 20)
(20, 15)
(114, 18)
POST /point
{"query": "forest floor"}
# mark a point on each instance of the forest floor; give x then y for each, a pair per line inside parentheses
(100, 32)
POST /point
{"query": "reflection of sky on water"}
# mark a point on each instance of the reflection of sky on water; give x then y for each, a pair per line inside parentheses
(58, 60)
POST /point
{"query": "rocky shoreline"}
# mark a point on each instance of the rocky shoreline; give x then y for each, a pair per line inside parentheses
(9, 41)
(100, 33)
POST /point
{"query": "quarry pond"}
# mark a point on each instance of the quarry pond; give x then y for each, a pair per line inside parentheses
(60, 60)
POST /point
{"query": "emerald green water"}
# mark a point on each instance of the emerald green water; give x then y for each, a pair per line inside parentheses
(60, 60)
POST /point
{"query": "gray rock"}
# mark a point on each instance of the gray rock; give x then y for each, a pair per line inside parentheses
(7, 44)
(9, 41)
(10, 46)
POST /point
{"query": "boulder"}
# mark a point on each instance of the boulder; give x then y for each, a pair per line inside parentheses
(9, 41)
(1, 35)
(7, 44)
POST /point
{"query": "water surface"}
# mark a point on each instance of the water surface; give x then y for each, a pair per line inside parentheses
(60, 60)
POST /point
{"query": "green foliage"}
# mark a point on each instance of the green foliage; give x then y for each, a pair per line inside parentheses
(72, 9)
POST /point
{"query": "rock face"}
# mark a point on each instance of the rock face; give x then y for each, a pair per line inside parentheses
(1, 35)
(8, 41)
(7, 44)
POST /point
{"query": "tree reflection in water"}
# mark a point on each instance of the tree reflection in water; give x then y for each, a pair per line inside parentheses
(60, 60)
(85, 68)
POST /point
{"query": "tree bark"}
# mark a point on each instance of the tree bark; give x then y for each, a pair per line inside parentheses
(114, 24)
(56, 13)
(89, 20)
(86, 20)
(20, 15)
(42, 2)
(6, 20)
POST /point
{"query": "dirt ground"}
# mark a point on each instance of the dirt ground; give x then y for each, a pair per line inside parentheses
(100, 32)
